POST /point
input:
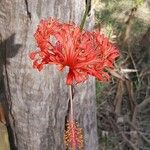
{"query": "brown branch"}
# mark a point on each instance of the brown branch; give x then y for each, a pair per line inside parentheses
(140, 133)
(128, 22)
(126, 44)
(118, 98)
(144, 103)
(128, 142)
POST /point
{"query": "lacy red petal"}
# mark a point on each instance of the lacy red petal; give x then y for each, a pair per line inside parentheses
(85, 53)
(32, 55)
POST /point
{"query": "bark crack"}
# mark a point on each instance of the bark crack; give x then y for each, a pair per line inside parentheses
(11, 131)
(67, 113)
(27, 9)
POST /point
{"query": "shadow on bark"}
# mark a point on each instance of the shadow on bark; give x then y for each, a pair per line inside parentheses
(8, 49)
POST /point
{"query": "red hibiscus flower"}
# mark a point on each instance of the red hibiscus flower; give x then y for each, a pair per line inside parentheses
(85, 53)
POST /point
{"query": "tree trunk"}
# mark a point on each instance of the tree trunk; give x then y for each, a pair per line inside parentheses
(38, 101)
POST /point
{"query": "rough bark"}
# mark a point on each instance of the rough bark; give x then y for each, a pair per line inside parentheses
(38, 101)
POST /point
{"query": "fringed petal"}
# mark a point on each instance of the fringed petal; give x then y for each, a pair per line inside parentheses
(85, 53)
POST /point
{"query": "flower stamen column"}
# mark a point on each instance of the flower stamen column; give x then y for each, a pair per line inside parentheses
(73, 134)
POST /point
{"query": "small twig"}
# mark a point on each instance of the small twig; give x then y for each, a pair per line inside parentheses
(129, 142)
(141, 134)
(133, 62)
(144, 103)
(148, 88)
(118, 98)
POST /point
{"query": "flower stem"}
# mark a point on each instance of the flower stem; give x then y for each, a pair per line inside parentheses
(71, 102)
(85, 15)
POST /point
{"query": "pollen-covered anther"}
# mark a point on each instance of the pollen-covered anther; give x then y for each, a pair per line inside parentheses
(73, 136)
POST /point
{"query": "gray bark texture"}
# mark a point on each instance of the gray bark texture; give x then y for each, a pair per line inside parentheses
(38, 101)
